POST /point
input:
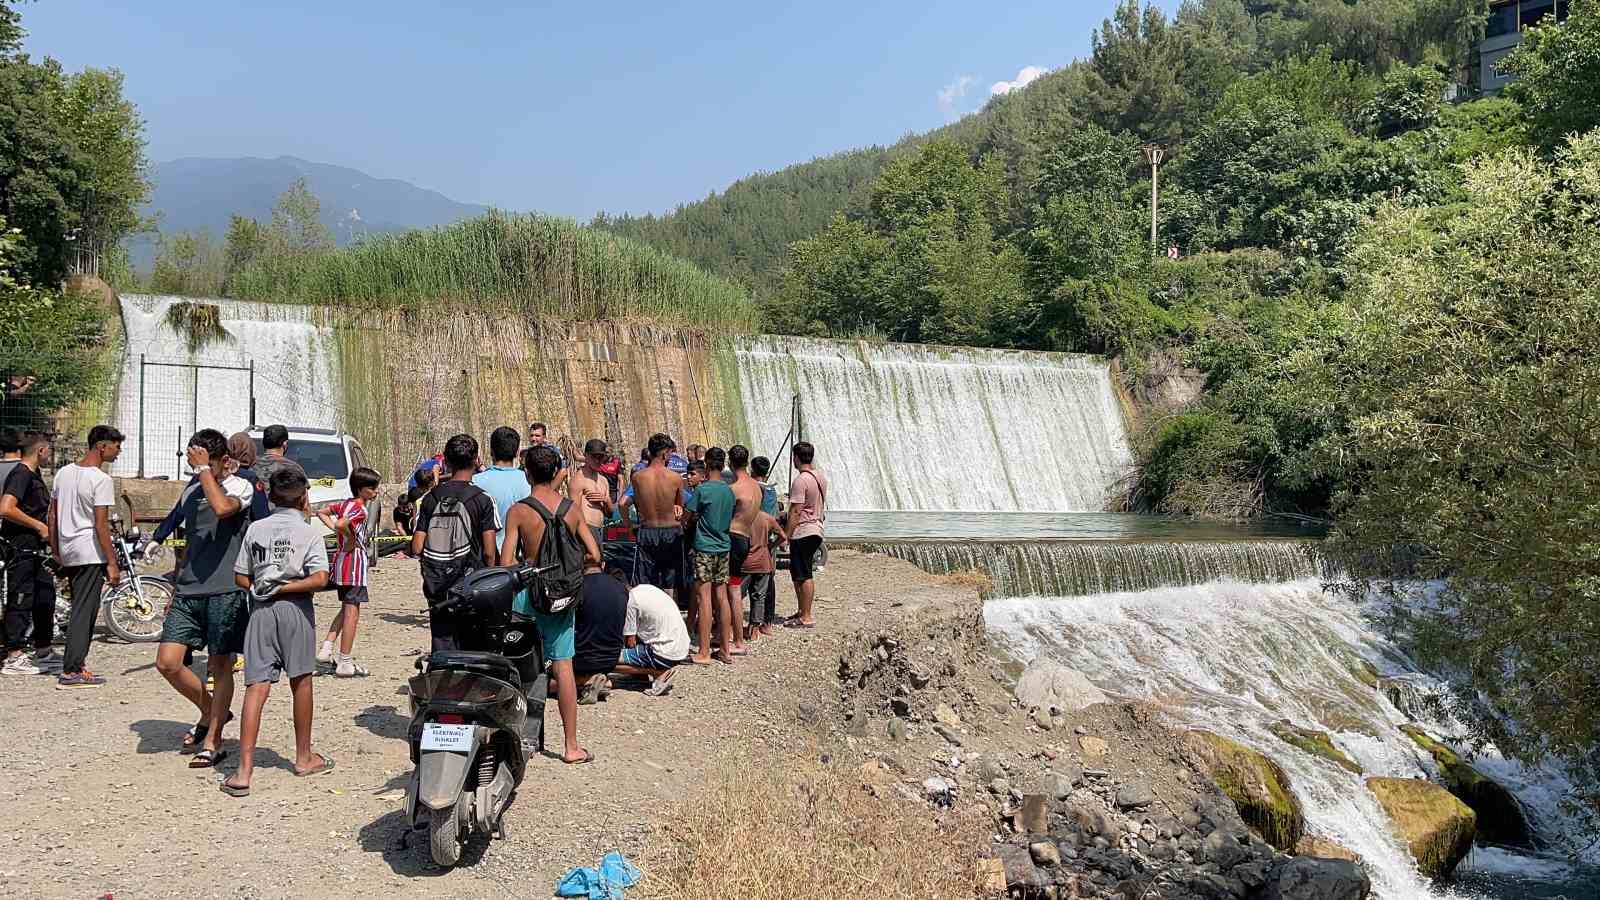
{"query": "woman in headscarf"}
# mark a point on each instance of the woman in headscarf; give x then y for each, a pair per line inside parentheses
(242, 459)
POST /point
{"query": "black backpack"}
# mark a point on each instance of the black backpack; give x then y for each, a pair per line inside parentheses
(449, 549)
(560, 588)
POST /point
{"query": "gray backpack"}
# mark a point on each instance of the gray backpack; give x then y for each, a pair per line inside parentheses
(449, 548)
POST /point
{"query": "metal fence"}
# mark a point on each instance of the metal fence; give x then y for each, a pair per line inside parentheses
(173, 400)
(158, 405)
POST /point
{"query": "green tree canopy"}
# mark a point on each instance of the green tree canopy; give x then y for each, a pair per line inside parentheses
(1469, 369)
(1558, 74)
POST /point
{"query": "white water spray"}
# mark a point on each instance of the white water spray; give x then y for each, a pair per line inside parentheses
(905, 427)
(1234, 658)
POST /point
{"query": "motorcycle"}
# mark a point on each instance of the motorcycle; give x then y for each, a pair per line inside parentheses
(134, 609)
(468, 712)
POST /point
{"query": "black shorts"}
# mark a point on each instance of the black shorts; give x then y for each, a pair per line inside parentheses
(356, 594)
(659, 558)
(803, 557)
(740, 548)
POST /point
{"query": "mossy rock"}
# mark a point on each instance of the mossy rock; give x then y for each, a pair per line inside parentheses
(1432, 822)
(1366, 673)
(1500, 817)
(1316, 743)
(1255, 784)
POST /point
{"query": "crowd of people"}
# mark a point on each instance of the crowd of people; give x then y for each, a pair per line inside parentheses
(678, 554)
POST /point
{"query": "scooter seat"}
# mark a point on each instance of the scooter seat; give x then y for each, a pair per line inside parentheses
(492, 665)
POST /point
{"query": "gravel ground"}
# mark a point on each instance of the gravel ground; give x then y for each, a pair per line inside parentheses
(95, 797)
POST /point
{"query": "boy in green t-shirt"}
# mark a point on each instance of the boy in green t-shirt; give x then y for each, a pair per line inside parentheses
(711, 512)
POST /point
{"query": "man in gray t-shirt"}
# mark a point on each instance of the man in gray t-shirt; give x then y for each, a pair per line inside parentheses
(209, 610)
(283, 562)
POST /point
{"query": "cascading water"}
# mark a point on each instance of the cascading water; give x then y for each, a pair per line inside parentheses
(295, 362)
(926, 428)
(1076, 568)
(1234, 658)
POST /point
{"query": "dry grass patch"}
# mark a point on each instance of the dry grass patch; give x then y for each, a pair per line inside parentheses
(971, 578)
(837, 831)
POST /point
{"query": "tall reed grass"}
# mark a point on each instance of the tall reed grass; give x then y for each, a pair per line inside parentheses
(545, 267)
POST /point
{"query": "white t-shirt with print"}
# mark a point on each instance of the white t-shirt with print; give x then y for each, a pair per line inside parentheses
(654, 618)
(77, 491)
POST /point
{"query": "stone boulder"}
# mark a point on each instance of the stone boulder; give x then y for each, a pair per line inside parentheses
(1304, 878)
(1436, 826)
(1255, 784)
(1500, 816)
(1322, 848)
(1055, 688)
(1316, 743)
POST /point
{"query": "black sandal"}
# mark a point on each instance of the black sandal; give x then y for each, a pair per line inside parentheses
(197, 734)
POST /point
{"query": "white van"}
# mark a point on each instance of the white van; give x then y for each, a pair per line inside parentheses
(328, 456)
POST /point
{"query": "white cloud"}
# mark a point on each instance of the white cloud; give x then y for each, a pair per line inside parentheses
(951, 94)
(1025, 75)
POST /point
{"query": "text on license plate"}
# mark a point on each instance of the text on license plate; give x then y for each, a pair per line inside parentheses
(454, 738)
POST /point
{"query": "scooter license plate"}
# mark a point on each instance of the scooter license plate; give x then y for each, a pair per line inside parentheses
(453, 738)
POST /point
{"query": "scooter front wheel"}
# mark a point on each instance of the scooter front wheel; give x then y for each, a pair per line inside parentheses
(444, 836)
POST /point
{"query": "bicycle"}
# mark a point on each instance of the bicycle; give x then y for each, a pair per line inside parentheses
(134, 609)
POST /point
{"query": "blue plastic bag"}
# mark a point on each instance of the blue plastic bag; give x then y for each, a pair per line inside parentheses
(614, 875)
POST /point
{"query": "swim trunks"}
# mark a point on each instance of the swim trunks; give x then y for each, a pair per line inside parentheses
(659, 559)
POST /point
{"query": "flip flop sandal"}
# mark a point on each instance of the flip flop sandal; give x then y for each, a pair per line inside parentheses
(796, 623)
(207, 759)
(233, 790)
(327, 766)
(588, 757)
(197, 733)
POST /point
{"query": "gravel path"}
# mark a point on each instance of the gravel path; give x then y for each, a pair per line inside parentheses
(95, 797)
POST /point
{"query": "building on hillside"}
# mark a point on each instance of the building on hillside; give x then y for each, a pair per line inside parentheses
(1507, 20)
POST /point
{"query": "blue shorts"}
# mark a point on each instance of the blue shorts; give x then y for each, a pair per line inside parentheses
(558, 633)
(640, 656)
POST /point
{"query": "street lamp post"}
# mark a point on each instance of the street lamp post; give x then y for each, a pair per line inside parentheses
(1153, 154)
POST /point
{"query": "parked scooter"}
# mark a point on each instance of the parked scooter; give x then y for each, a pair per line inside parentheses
(468, 711)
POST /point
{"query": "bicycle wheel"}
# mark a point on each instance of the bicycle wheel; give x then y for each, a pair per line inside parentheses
(136, 609)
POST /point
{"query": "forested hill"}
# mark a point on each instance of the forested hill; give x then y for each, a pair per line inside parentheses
(744, 231)
(1157, 79)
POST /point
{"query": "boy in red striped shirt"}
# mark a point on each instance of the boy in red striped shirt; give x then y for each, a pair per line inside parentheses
(348, 569)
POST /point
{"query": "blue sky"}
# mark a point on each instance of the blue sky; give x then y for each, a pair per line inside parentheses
(564, 108)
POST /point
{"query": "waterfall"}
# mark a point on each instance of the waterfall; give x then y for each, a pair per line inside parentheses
(1078, 568)
(209, 386)
(931, 428)
(1235, 657)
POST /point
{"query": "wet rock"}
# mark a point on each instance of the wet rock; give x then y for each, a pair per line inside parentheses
(1500, 816)
(1303, 878)
(1316, 743)
(1135, 795)
(1050, 685)
(1044, 853)
(1322, 848)
(1255, 784)
(1436, 826)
